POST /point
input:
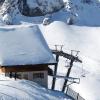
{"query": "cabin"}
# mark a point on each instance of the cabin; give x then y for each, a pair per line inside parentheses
(24, 54)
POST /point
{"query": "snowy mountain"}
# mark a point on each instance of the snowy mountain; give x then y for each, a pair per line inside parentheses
(77, 27)
(79, 12)
(10, 8)
(84, 12)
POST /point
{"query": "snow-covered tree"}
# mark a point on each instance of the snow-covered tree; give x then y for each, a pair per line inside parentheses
(8, 11)
(7, 19)
(71, 8)
(47, 20)
(70, 21)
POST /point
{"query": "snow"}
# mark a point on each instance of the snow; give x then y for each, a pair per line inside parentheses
(84, 14)
(23, 45)
(11, 89)
(83, 35)
(86, 40)
(44, 6)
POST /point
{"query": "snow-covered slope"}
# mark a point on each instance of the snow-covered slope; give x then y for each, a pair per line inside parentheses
(86, 40)
(11, 89)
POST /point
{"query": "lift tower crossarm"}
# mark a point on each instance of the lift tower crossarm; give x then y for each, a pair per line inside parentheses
(66, 55)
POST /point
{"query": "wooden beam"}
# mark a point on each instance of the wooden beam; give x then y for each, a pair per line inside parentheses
(23, 68)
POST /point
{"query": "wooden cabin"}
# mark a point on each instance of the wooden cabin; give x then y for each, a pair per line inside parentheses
(24, 54)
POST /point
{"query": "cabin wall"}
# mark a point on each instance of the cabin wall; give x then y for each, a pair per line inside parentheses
(38, 74)
(40, 77)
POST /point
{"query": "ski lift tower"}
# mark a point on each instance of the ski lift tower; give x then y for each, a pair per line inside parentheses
(73, 57)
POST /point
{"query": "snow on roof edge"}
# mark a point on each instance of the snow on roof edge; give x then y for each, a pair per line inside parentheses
(14, 38)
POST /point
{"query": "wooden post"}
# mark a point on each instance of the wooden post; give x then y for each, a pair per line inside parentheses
(15, 75)
(10, 74)
(55, 72)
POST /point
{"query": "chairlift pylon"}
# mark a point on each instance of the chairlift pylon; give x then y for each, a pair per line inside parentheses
(75, 53)
(59, 47)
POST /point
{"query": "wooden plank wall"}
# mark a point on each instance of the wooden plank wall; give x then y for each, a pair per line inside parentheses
(23, 68)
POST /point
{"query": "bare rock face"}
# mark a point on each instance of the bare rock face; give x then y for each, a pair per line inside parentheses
(31, 7)
(9, 8)
(39, 7)
(25, 9)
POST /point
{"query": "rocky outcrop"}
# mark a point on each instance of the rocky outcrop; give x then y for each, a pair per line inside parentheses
(31, 7)
(9, 8)
(39, 7)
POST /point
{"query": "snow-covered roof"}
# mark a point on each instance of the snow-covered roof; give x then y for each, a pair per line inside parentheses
(11, 89)
(23, 46)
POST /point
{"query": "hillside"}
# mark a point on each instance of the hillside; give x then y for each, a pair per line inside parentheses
(86, 40)
(82, 34)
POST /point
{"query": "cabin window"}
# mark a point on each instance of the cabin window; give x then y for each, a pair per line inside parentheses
(19, 76)
(25, 76)
(38, 75)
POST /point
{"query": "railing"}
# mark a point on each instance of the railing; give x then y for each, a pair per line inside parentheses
(73, 94)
